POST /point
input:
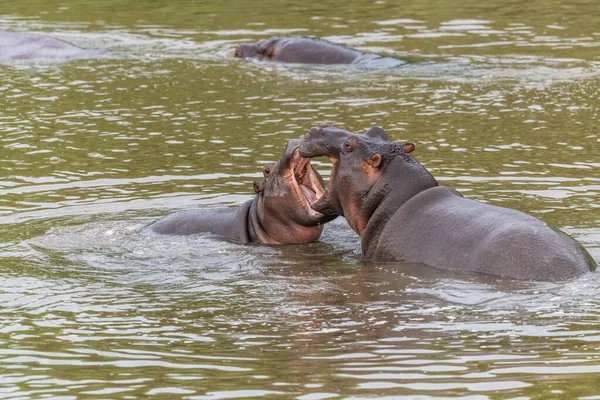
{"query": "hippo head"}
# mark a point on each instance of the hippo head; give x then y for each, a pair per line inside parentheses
(260, 51)
(247, 51)
(359, 162)
(284, 198)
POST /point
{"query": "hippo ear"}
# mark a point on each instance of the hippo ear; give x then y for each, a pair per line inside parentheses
(375, 160)
(377, 133)
(408, 147)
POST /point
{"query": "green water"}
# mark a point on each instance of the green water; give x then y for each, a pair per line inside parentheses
(501, 99)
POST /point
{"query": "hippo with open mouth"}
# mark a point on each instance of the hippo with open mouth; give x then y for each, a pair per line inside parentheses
(306, 50)
(31, 46)
(402, 214)
(280, 213)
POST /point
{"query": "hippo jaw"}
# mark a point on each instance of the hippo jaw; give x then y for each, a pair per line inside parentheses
(305, 179)
(284, 199)
(305, 184)
(325, 141)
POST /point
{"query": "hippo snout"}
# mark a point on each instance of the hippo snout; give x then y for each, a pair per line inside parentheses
(246, 51)
(314, 132)
(310, 149)
(324, 140)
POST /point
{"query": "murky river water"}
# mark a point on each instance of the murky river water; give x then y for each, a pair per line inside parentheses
(501, 98)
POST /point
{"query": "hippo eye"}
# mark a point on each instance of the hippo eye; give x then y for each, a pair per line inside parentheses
(348, 147)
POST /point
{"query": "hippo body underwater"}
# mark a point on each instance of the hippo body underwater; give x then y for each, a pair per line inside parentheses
(31, 46)
(280, 213)
(401, 214)
(306, 50)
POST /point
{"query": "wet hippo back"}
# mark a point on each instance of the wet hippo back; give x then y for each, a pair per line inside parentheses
(310, 51)
(306, 50)
(29, 46)
(439, 227)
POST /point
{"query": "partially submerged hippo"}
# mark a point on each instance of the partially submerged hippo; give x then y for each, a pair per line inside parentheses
(30, 46)
(401, 214)
(305, 50)
(280, 213)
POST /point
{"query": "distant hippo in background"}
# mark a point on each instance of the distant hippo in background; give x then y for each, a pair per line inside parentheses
(401, 214)
(30, 46)
(280, 213)
(305, 50)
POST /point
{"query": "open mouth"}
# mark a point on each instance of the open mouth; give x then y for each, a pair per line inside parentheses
(309, 184)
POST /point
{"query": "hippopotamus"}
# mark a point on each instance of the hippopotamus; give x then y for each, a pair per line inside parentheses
(279, 214)
(306, 50)
(402, 214)
(30, 46)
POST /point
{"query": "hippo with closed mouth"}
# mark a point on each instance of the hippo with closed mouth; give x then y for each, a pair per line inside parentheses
(402, 214)
(31, 46)
(280, 213)
(306, 50)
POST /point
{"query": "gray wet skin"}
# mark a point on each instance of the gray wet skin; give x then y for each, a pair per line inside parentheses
(402, 214)
(305, 50)
(30, 46)
(279, 214)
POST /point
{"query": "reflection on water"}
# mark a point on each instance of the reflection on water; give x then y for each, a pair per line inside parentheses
(501, 100)
(158, 314)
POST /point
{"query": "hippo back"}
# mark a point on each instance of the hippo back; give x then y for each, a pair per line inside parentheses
(29, 46)
(441, 228)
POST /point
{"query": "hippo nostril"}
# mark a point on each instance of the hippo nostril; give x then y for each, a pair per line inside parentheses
(314, 131)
